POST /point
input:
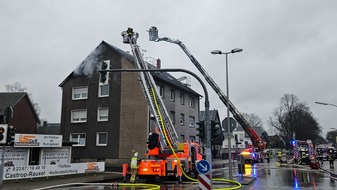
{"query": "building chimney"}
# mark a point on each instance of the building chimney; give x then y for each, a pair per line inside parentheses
(158, 64)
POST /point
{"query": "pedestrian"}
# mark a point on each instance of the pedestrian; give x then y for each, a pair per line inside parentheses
(134, 167)
(331, 160)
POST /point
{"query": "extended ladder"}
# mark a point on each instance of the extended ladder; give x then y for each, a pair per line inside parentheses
(256, 140)
(152, 96)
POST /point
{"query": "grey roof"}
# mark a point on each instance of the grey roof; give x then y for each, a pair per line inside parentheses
(213, 115)
(10, 99)
(49, 128)
(167, 78)
(162, 76)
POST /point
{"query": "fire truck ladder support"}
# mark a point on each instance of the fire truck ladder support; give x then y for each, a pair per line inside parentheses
(256, 139)
(152, 96)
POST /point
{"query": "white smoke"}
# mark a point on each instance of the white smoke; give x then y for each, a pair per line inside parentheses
(91, 63)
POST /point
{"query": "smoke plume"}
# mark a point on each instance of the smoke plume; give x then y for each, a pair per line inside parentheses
(91, 63)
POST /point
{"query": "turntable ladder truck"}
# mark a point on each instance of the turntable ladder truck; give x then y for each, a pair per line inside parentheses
(257, 141)
(161, 160)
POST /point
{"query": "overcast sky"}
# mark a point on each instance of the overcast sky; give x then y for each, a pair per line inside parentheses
(289, 46)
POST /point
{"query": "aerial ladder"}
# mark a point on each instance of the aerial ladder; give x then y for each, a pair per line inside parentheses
(152, 96)
(163, 159)
(257, 141)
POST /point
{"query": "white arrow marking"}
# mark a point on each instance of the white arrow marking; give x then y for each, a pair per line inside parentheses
(204, 168)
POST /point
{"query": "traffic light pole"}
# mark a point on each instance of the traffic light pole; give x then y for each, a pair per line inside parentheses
(207, 118)
(2, 164)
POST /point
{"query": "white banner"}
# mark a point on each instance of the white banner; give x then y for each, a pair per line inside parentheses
(34, 140)
(23, 172)
(50, 156)
(15, 156)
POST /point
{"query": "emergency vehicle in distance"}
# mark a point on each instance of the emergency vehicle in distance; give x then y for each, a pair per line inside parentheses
(257, 143)
(251, 155)
(323, 151)
(303, 151)
(165, 155)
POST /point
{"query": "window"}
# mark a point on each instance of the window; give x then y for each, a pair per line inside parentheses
(101, 139)
(103, 114)
(78, 116)
(104, 76)
(191, 102)
(79, 138)
(172, 95)
(240, 137)
(80, 93)
(173, 117)
(182, 98)
(182, 137)
(191, 121)
(103, 90)
(182, 119)
(161, 91)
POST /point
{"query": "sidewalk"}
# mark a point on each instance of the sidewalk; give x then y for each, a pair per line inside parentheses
(36, 183)
(220, 167)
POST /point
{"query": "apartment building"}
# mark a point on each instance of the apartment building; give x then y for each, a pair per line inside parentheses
(111, 120)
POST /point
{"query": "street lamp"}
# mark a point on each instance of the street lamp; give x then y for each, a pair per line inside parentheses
(236, 50)
(326, 104)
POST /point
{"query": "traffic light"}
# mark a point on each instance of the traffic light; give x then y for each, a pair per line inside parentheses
(10, 136)
(3, 133)
(215, 129)
(201, 129)
(103, 73)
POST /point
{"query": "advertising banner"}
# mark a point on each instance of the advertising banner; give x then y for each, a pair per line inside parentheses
(49, 156)
(15, 156)
(34, 140)
(34, 171)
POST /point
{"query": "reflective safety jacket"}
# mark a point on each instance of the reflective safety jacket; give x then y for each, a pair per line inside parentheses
(330, 158)
(134, 162)
(267, 155)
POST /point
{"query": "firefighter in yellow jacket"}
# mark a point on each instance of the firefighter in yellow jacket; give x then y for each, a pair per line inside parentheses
(331, 160)
(134, 167)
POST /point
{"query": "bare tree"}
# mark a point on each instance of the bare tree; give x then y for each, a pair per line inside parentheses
(292, 118)
(253, 120)
(16, 87)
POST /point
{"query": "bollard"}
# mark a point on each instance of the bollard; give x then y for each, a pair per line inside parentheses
(125, 171)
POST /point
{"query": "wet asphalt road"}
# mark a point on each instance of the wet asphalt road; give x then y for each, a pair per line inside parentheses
(264, 176)
(269, 176)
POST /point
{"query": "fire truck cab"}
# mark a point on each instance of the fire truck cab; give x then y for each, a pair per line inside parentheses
(303, 151)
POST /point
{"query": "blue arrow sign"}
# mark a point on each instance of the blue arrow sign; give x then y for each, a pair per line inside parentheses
(203, 166)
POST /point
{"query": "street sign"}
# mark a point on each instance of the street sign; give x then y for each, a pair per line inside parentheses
(232, 124)
(203, 166)
(204, 182)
